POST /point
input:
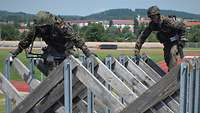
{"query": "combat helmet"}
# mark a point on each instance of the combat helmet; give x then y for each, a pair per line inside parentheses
(44, 18)
(153, 10)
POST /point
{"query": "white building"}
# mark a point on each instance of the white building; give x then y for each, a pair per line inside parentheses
(123, 23)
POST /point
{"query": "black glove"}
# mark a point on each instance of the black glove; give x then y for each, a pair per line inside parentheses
(89, 54)
(182, 42)
(137, 52)
(15, 52)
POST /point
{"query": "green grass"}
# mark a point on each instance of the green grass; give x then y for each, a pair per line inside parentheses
(4, 53)
(155, 54)
(1, 104)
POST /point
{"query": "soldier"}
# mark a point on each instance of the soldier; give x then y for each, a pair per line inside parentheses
(59, 37)
(169, 32)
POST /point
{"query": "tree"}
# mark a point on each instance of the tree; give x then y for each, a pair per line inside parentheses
(193, 34)
(9, 32)
(94, 32)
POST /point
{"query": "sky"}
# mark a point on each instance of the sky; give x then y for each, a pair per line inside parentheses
(87, 7)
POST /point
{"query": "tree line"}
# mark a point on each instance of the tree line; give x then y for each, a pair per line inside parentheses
(96, 32)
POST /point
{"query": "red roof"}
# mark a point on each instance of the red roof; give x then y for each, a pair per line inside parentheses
(191, 23)
(128, 22)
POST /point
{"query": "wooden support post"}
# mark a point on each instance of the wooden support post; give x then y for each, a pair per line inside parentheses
(9, 90)
(165, 87)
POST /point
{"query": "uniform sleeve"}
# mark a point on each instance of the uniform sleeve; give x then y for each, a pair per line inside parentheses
(178, 26)
(181, 29)
(141, 39)
(75, 38)
(27, 40)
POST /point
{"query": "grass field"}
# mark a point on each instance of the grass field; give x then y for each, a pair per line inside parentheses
(2, 104)
(155, 54)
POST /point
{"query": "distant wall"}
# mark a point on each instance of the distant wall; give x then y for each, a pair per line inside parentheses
(121, 45)
(193, 45)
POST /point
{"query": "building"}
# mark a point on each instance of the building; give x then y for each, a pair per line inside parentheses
(189, 24)
(82, 23)
(123, 23)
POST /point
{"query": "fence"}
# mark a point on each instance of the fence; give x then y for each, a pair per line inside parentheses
(190, 87)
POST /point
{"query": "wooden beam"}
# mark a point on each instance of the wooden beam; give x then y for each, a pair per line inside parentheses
(25, 74)
(9, 90)
(165, 87)
(139, 73)
(96, 87)
(152, 73)
(154, 66)
(33, 82)
(170, 102)
(41, 91)
(57, 94)
(121, 89)
(81, 106)
(133, 82)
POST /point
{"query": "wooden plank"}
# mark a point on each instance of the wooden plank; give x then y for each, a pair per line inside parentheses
(162, 108)
(121, 89)
(57, 94)
(152, 73)
(139, 73)
(154, 66)
(165, 87)
(176, 96)
(41, 91)
(174, 105)
(81, 107)
(9, 90)
(122, 72)
(156, 77)
(25, 74)
(96, 87)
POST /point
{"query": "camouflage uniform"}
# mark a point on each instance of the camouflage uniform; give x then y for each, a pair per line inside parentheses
(170, 33)
(59, 37)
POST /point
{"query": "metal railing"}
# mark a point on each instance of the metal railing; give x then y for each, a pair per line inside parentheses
(190, 86)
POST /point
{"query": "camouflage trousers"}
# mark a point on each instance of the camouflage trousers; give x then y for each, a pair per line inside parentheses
(171, 55)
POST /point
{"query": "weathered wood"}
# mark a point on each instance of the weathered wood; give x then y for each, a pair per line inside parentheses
(155, 67)
(81, 106)
(96, 87)
(122, 72)
(148, 111)
(154, 75)
(41, 91)
(139, 73)
(176, 96)
(57, 95)
(121, 89)
(25, 74)
(57, 92)
(165, 87)
(173, 105)
(9, 90)
(161, 107)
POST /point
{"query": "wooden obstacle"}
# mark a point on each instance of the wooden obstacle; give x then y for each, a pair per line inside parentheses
(130, 84)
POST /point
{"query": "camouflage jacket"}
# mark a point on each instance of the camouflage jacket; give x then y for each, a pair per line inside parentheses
(62, 39)
(167, 28)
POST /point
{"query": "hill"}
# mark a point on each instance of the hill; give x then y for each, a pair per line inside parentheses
(16, 17)
(130, 14)
(105, 15)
